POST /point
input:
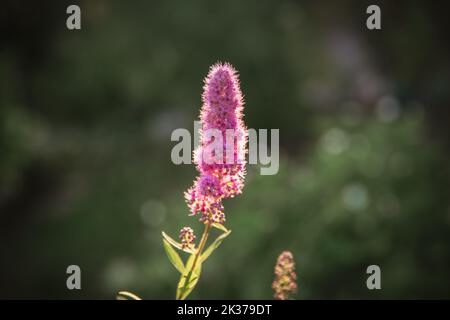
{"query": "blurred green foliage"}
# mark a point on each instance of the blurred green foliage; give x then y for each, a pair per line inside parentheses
(85, 123)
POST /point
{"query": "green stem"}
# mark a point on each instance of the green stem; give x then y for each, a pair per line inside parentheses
(201, 246)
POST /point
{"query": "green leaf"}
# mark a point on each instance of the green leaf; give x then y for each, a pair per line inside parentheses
(176, 244)
(220, 227)
(173, 256)
(214, 245)
(188, 279)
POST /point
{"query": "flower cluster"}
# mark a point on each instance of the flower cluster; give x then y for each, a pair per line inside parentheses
(285, 282)
(220, 157)
(187, 237)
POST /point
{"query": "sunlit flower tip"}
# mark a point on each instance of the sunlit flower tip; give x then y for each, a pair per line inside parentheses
(222, 98)
(222, 103)
(285, 282)
(222, 110)
(187, 237)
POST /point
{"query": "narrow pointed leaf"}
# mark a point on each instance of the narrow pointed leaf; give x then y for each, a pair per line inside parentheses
(220, 227)
(214, 245)
(173, 256)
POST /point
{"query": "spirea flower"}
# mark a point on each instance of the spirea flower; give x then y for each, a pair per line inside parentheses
(187, 237)
(285, 282)
(210, 186)
(222, 112)
(210, 207)
(220, 157)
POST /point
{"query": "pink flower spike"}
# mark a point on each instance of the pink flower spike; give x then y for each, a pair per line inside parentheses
(221, 173)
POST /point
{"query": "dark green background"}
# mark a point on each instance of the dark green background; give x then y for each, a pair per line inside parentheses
(85, 124)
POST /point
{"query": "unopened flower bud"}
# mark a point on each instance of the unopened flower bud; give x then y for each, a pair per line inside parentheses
(187, 237)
